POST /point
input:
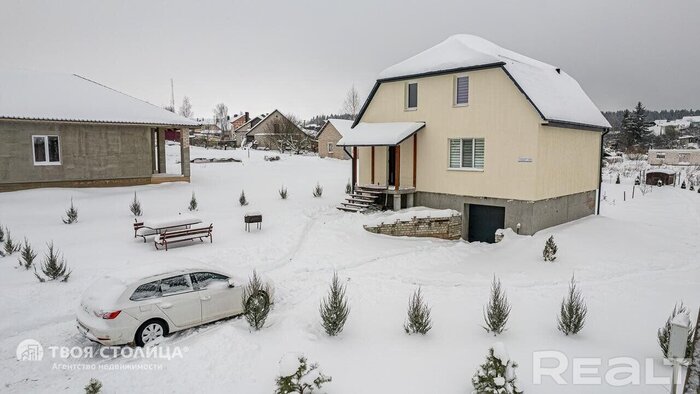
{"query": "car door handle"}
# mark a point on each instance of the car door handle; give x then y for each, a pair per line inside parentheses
(166, 305)
(205, 298)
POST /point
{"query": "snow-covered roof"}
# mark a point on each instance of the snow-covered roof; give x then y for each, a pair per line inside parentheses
(31, 95)
(555, 94)
(661, 171)
(380, 134)
(342, 125)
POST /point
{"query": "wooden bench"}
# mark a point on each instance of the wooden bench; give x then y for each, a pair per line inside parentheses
(190, 234)
(143, 233)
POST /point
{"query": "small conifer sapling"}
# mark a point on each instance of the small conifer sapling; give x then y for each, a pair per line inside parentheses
(419, 321)
(334, 308)
(71, 214)
(497, 310)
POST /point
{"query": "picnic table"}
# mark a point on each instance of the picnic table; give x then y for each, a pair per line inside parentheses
(157, 226)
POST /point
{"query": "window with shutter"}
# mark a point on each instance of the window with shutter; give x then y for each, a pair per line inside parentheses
(461, 90)
(466, 153)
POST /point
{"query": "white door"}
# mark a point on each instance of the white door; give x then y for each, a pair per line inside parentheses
(218, 298)
(179, 302)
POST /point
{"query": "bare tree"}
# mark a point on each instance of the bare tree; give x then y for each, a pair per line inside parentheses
(283, 134)
(169, 108)
(186, 107)
(221, 117)
(351, 105)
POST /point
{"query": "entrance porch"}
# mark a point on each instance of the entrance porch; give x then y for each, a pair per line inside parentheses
(160, 172)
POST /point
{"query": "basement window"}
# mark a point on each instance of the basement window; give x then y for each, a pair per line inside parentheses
(47, 150)
(412, 95)
(466, 154)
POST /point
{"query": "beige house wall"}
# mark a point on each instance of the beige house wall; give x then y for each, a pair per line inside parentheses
(674, 157)
(330, 134)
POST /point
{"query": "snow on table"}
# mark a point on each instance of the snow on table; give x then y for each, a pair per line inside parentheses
(183, 219)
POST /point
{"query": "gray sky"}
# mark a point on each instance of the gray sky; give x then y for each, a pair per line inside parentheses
(302, 56)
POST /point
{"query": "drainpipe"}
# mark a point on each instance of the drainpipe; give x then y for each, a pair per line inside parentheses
(600, 171)
(354, 164)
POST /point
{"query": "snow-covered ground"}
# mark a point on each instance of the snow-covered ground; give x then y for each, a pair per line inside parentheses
(633, 263)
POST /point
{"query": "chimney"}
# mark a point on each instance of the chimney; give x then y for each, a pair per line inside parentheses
(558, 70)
(247, 116)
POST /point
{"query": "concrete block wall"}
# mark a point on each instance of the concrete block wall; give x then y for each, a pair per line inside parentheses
(444, 228)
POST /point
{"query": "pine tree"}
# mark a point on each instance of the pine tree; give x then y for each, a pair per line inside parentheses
(2, 233)
(71, 214)
(334, 308)
(348, 188)
(53, 266)
(318, 190)
(27, 255)
(419, 321)
(135, 206)
(550, 250)
(664, 333)
(497, 310)
(617, 181)
(683, 185)
(635, 127)
(94, 387)
(573, 311)
(193, 203)
(10, 246)
(256, 301)
(283, 193)
(304, 380)
(497, 374)
(242, 200)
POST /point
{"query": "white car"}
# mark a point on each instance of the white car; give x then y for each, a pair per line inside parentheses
(115, 311)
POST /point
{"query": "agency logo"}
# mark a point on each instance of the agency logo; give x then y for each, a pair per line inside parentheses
(30, 350)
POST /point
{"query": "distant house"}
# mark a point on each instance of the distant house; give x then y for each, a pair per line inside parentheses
(331, 132)
(275, 131)
(238, 121)
(240, 134)
(674, 157)
(508, 141)
(662, 125)
(64, 130)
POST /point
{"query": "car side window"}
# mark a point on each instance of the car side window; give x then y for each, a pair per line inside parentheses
(175, 285)
(205, 280)
(146, 291)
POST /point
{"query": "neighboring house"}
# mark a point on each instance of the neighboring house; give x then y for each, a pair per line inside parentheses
(674, 157)
(664, 175)
(661, 126)
(505, 139)
(238, 121)
(275, 131)
(331, 132)
(241, 133)
(63, 130)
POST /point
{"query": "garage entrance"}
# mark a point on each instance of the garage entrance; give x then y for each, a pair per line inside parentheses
(484, 220)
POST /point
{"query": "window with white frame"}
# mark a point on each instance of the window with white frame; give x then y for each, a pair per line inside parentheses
(47, 150)
(466, 153)
(330, 147)
(412, 95)
(461, 91)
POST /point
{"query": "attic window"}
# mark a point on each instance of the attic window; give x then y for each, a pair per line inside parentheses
(412, 95)
(461, 91)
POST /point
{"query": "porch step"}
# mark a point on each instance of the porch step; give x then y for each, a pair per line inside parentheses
(355, 205)
(362, 197)
(374, 193)
(348, 209)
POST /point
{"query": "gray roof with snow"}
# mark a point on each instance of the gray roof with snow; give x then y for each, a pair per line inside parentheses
(31, 95)
(555, 94)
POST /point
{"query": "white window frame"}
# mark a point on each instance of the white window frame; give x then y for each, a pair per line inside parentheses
(454, 91)
(461, 146)
(330, 147)
(406, 107)
(46, 151)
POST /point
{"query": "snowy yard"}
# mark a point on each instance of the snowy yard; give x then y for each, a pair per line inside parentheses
(633, 263)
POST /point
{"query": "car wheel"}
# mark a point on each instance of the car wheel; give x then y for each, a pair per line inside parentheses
(259, 300)
(150, 331)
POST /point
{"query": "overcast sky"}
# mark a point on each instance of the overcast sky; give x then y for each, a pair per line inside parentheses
(302, 56)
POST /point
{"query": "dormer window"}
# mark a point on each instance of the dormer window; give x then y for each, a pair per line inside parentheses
(412, 95)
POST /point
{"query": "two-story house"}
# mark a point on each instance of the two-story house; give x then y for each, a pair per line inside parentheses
(507, 140)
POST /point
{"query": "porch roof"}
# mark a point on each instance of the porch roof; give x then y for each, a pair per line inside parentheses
(380, 134)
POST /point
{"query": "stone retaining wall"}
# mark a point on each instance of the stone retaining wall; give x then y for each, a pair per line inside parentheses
(441, 227)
